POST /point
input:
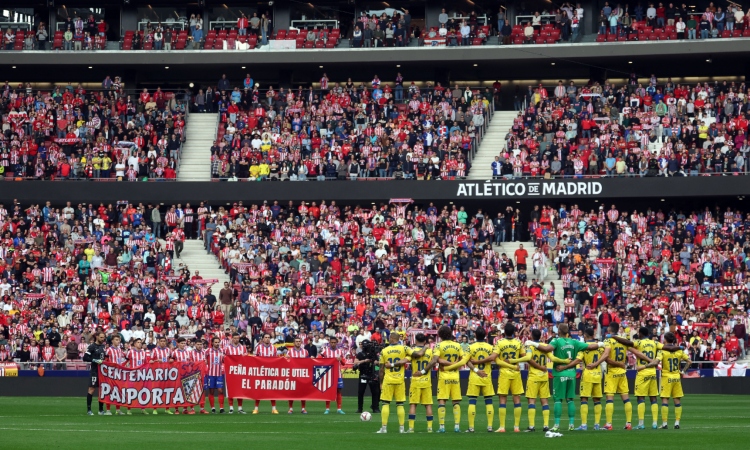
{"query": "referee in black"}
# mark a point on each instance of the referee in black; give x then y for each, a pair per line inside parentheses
(95, 354)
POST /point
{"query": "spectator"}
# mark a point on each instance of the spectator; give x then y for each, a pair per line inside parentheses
(692, 26)
(41, 37)
(242, 24)
(68, 39)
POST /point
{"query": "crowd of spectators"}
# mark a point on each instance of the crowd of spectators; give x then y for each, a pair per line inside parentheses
(681, 20)
(70, 132)
(320, 270)
(344, 131)
(643, 128)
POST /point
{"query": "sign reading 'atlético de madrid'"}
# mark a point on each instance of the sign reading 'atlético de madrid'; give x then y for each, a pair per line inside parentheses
(523, 188)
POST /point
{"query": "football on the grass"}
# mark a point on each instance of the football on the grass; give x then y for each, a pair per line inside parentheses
(365, 416)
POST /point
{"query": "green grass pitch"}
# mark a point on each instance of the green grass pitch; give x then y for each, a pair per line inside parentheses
(708, 421)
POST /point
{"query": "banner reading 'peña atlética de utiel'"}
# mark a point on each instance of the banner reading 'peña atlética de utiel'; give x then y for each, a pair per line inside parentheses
(281, 378)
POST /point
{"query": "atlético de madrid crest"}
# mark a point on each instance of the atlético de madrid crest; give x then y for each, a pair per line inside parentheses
(322, 377)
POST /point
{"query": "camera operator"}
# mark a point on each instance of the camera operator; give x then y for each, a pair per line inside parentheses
(366, 362)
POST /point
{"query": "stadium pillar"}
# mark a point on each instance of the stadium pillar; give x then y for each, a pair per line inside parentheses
(443, 76)
(597, 74)
(286, 78)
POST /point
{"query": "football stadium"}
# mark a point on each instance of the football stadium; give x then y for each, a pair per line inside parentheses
(480, 222)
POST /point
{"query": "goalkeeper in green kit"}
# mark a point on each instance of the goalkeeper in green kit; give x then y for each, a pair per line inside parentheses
(564, 377)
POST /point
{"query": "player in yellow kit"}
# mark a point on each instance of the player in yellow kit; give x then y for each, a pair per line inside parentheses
(451, 358)
(537, 384)
(615, 381)
(480, 381)
(646, 384)
(591, 380)
(420, 389)
(392, 384)
(511, 351)
(671, 386)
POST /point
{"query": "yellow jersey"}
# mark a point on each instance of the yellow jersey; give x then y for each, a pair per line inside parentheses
(392, 354)
(420, 363)
(670, 362)
(649, 348)
(450, 351)
(590, 357)
(509, 349)
(540, 358)
(618, 353)
(480, 350)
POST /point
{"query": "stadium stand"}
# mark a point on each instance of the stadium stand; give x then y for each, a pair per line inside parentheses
(314, 269)
(660, 129)
(107, 133)
(403, 133)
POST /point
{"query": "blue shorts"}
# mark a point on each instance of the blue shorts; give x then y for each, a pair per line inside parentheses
(340, 384)
(214, 382)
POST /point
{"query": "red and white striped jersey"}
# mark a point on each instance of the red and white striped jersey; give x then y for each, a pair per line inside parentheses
(294, 352)
(235, 350)
(115, 355)
(161, 354)
(215, 361)
(266, 351)
(338, 353)
(136, 358)
(198, 355)
(48, 353)
(183, 355)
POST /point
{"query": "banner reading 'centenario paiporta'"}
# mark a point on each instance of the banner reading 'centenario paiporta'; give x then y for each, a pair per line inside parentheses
(155, 385)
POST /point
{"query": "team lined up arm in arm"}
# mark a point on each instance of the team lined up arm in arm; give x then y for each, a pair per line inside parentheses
(499, 362)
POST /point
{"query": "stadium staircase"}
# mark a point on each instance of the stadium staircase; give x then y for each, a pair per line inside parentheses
(509, 248)
(195, 257)
(492, 144)
(195, 163)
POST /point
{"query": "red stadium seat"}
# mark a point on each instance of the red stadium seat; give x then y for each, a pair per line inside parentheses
(476, 41)
(601, 38)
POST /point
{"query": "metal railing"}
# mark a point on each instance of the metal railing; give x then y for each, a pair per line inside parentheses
(546, 18)
(322, 23)
(480, 19)
(173, 24)
(15, 26)
(222, 24)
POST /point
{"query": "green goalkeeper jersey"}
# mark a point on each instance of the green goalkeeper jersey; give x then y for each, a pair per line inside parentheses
(566, 348)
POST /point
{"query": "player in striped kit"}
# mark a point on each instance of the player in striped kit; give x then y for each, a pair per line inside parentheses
(267, 350)
(136, 357)
(162, 354)
(115, 355)
(298, 351)
(199, 354)
(183, 354)
(332, 351)
(215, 379)
(235, 349)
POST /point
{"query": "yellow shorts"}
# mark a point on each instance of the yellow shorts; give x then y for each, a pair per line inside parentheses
(512, 387)
(475, 390)
(420, 395)
(591, 390)
(392, 392)
(538, 389)
(615, 384)
(646, 386)
(449, 390)
(671, 388)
